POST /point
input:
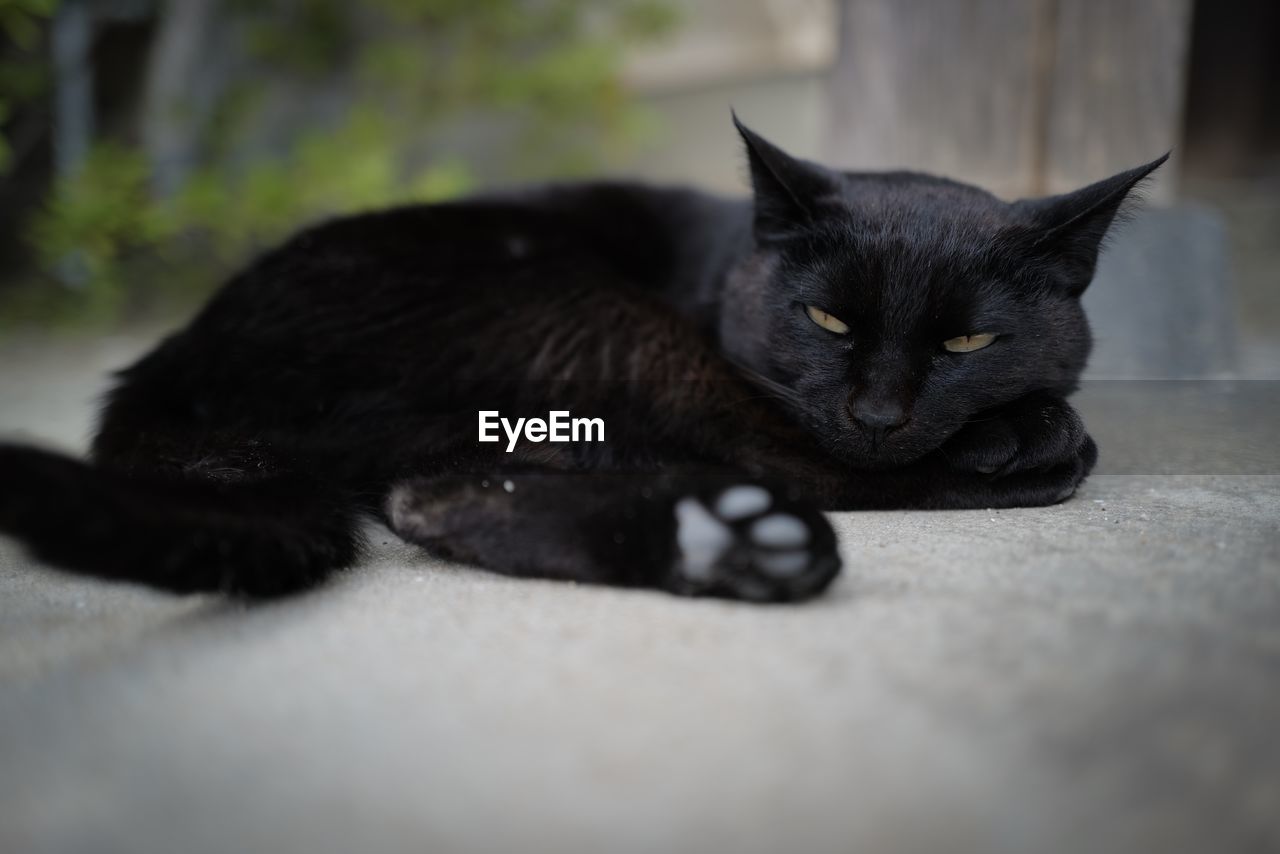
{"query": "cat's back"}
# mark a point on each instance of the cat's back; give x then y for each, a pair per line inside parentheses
(630, 224)
(351, 303)
(671, 240)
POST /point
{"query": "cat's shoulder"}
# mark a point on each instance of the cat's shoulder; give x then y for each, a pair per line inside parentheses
(612, 207)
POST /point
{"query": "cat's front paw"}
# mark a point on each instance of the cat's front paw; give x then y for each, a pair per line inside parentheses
(1039, 434)
(1038, 487)
(747, 542)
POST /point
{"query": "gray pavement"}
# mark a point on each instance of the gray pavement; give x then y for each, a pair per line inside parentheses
(1099, 676)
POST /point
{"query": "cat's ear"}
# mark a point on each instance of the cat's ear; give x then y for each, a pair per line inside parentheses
(788, 192)
(1067, 230)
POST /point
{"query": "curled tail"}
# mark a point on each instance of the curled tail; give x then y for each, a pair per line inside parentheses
(255, 537)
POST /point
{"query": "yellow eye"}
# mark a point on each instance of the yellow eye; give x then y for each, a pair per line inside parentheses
(829, 322)
(968, 343)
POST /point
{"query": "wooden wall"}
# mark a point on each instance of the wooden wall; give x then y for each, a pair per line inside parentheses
(1024, 97)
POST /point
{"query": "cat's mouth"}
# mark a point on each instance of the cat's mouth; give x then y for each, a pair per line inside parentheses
(856, 448)
(870, 440)
(884, 458)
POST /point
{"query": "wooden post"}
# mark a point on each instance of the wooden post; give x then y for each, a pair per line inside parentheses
(1022, 97)
(73, 85)
(1117, 90)
(176, 104)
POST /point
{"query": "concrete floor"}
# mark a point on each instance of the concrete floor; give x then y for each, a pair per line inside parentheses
(1099, 676)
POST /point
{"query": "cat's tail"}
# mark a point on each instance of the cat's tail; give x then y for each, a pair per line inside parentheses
(259, 538)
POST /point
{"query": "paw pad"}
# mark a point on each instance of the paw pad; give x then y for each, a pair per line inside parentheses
(701, 537)
(739, 502)
(741, 544)
(780, 531)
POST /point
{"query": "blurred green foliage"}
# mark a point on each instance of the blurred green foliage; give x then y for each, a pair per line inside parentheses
(23, 72)
(543, 74)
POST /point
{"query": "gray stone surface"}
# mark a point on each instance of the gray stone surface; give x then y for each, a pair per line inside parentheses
(1160, 304)
(1099, 676)
(1183, 426)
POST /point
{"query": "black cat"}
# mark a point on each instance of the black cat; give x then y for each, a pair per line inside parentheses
(848, 341)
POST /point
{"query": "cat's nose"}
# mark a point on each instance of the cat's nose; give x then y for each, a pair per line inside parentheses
(877, 418)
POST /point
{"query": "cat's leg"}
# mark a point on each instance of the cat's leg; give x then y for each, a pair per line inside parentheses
(1032, 453)
(693, 534)
(1038, 434)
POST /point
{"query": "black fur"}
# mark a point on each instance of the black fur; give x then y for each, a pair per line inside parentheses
(341, 374)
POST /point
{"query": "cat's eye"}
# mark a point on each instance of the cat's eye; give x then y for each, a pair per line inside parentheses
(829, 322)
(968, 343)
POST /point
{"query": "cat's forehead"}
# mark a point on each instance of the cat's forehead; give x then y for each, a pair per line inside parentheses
(911, 199)
(902, 246)
(903, 266)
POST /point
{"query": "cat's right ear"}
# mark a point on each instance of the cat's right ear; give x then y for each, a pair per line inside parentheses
(1068, 230)
(788, 192)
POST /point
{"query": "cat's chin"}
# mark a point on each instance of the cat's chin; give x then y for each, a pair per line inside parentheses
(884, 463)
(882, 459)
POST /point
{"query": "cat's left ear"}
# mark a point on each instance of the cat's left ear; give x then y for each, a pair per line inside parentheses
(789, 192)
(1067, 230)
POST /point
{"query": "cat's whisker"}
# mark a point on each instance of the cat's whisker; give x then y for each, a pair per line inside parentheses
(980, 420)
(774, 389)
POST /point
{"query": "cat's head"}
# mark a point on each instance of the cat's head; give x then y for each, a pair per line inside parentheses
(889, 309)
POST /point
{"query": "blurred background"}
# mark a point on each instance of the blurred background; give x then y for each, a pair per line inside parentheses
(1095, 676)
(148, 146)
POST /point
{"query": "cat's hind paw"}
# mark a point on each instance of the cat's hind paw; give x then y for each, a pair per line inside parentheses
(746, 542)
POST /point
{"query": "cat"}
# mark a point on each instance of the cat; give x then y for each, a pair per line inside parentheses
(838, 340)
